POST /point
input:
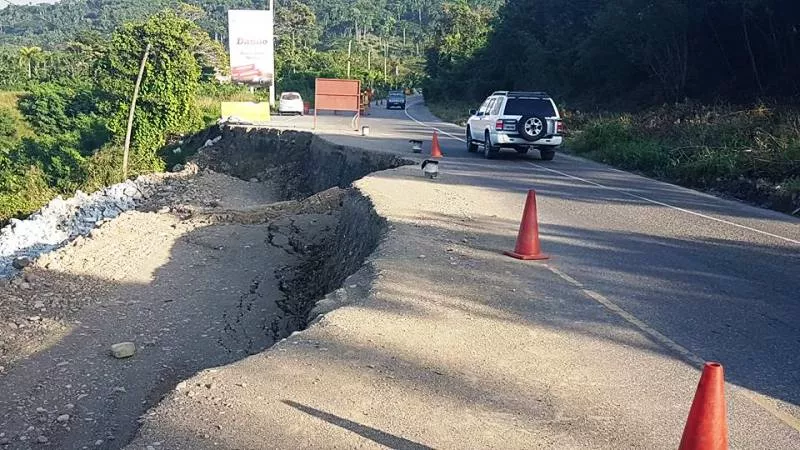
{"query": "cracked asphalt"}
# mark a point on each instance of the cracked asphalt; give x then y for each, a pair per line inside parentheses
(446, 343)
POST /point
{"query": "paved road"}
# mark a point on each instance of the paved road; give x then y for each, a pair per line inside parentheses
(456, 346)
(717, 278)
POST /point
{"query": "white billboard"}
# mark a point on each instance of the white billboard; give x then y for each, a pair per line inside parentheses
(250, 34)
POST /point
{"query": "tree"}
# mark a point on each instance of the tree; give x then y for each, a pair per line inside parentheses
(28, 57)
(167, 101)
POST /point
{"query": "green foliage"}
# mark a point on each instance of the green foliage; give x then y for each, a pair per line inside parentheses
(459, 35)
(625, 53)
(752, 154)
(166, 104)
(452, 111)
(47, 106)
(8, 126)
(77, 103)
(22, 190)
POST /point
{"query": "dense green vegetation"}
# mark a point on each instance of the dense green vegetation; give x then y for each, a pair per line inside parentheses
(67, 70)
(641, 72)
(65, 130)
(657, 65)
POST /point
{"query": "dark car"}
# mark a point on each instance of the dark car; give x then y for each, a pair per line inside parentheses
(396, 99)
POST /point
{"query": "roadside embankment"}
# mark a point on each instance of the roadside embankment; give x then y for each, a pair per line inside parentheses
(208, 265)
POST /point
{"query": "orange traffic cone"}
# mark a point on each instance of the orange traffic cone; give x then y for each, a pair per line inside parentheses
(528, 247)
(436, 151)
(707, 425)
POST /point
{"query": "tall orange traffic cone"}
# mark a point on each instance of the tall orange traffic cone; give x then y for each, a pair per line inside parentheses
(707, 425)
(436, 151)
(528, 247)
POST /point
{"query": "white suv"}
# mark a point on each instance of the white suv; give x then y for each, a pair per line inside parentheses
(518, 120)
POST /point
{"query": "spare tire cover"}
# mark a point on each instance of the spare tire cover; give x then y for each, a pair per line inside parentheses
(532, 128)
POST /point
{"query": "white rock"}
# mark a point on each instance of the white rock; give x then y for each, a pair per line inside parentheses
(64, 418)
(21, 262)
(123, 350)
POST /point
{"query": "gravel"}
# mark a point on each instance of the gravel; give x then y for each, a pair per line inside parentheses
(61, 221)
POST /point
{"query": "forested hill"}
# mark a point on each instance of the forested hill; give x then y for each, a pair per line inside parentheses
(49, 25)
(611, 52)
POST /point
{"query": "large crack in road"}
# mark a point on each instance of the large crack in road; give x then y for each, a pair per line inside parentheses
(211, 269)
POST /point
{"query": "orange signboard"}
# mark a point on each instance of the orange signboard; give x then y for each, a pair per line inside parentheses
(337, 95)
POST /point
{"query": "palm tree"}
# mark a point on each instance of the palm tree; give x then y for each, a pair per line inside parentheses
(27, 56)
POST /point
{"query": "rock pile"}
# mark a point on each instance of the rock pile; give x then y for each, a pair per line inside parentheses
(62, 220)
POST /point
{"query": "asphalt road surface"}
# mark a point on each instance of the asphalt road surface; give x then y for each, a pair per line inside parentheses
(704, 277)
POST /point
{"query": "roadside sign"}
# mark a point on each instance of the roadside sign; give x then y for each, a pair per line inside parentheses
(337, 95)
(248, 112)
(251, 42)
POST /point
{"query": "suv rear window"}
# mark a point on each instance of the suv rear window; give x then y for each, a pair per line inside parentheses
(529, 106)
(290, 96)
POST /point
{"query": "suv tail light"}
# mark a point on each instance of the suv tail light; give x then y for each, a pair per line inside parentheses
(559, 127)
(505, 125)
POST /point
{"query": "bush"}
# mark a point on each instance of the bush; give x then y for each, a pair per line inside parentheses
(23, 190)
(8, 126)
(59, 159)
(46, 108)
(753, 154)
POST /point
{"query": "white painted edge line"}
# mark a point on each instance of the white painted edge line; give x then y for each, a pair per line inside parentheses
(666, 205)
(636, 196)
(760, 400)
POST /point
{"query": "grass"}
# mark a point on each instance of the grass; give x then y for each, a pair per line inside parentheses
(452, 111)
(9, 101)
(752, 154)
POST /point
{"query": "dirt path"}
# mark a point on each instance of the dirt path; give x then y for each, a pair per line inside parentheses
(189, 295)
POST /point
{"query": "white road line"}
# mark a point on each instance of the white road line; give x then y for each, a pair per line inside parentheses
(760, 400)
(667, 205)
(431, 126)
(688, 355)
(696, 360)
(621, 191)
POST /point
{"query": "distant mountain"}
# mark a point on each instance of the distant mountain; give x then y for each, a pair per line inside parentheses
(53, 23)
(4, 3)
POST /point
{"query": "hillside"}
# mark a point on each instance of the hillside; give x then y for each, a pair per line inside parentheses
(51, 25)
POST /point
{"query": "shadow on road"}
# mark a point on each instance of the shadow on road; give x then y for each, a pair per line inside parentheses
(373, 434)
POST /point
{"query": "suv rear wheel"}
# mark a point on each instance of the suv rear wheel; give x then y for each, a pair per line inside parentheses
(547, 154)
(489, 150)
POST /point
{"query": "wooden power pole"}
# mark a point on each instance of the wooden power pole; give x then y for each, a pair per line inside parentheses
(126, 152)
(349, 53)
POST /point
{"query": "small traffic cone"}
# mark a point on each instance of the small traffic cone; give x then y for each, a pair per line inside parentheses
(707, 425)
(528, 247)
(436, 151)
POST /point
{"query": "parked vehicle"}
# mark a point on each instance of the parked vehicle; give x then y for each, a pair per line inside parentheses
(291, 103)
(396, 99)
(517, 120)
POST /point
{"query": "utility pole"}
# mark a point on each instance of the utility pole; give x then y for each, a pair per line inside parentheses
(271, 4)
(126, 151)
(386, 65)
(369, 60)
(349, 53)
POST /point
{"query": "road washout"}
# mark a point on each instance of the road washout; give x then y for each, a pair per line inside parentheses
(217, 262)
